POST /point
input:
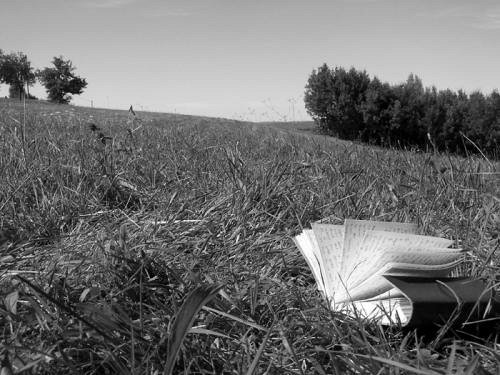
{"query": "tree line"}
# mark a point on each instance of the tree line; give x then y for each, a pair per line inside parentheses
(59, 81)
(351, 105)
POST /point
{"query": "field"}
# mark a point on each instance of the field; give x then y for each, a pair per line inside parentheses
(117, 229)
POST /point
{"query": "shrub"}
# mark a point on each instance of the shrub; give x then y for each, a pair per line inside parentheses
(351, 105)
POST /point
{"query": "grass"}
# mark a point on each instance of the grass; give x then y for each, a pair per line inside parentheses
(161, 243)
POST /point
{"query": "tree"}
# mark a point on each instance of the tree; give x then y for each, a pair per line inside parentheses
(457, 113)
(334, 97)
(60, 81)
(492, 124)
(475, 126)
(377, 112)
(350, 89)
(406, 124)
(16, 71)
(319, 95)
(434, 116)
(350, 105)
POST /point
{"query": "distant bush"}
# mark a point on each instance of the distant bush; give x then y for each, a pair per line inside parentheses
(351, 105)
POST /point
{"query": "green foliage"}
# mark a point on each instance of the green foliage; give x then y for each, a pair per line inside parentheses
(60, 81)
(350, 105)
(16, 71)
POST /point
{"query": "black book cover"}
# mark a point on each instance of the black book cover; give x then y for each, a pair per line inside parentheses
(454, 301)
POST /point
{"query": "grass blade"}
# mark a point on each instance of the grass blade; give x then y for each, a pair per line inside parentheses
(185, 318)
(399, 365)
(255, 361)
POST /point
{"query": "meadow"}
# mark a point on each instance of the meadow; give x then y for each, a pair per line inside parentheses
(160, 243)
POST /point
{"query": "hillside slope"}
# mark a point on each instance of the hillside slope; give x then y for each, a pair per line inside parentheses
(110, 220)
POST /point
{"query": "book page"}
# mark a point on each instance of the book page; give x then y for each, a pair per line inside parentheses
(386, 312)
(354, 237)
(329, 239)
(317, 255)
(392, 293)
(315, 247)
(348, 261)
(376, 242)
(310, 252)
(376, 285)
(416, 257)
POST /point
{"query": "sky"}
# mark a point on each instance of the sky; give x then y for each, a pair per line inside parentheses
(250, 59)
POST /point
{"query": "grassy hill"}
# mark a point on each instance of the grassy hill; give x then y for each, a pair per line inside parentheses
(110, 221)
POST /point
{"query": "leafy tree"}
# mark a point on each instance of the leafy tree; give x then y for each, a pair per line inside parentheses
(350, 105)
(16, 71)
(475, 127)
(456, 114)
(350, 91)
(319, 96)
(433, 117)
(333, 98)
(492, 124)
(406, 125)
(60, 81)
(377, 112)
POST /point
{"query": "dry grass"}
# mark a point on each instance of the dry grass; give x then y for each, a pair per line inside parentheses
(114, 237)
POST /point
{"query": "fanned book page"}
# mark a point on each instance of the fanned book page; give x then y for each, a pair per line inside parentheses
(377, 284)
(354, 233)
(351, 263)
(380, 247)
(307, 244)
(329, 238)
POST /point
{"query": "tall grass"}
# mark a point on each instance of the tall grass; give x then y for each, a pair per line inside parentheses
(108, 230)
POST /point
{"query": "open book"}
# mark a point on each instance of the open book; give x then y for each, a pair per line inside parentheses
(386, 271)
